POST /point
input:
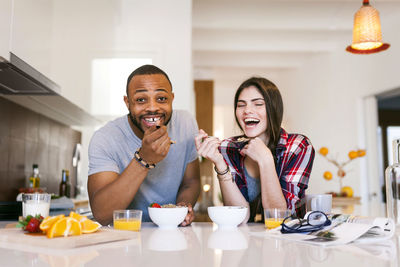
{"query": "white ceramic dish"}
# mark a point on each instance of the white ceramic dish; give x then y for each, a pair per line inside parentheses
(168, 217)
(227, 216)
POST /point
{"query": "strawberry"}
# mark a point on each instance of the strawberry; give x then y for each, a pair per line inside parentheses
(31, 224)
(155, 205)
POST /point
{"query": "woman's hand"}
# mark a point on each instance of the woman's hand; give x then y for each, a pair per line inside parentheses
(257, 151)
(207, 147)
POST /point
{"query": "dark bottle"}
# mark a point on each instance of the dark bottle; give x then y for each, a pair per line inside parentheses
(65, 185)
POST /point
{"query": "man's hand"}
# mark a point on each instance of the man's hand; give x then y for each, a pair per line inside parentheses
(155, 144)
(190, 215)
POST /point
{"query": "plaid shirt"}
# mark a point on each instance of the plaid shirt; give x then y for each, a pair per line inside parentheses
(294, 159)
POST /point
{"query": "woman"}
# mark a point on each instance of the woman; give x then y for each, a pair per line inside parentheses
(266, 167)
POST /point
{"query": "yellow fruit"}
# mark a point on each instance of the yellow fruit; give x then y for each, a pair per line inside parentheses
(89, 226)
(49, 221)
(78, 217)
(328, 175)
(347, 191)
(65, 227)
(353, 154)
(323, 151)
(361, 152)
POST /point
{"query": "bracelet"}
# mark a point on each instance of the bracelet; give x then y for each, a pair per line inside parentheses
(226, 179)
(223, 172)
(143, 162)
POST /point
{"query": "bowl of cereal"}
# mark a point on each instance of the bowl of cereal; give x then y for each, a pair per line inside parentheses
(168, 215)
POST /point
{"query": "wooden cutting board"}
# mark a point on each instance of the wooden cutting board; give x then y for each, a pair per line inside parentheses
(103, 235)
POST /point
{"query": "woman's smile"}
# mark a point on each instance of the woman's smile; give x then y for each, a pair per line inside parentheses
(251, 112)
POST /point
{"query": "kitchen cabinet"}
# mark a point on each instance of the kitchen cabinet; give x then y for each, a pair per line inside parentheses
(5, 27)
(31, 35)
(26, 29)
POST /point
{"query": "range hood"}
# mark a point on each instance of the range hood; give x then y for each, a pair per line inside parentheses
(27, 87)
(19, 78)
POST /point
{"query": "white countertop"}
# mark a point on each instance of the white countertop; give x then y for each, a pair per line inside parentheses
(202, 245)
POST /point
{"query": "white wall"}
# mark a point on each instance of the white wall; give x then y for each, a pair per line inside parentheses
(84, 30)
(5, 27)
(326, 99)
(327, 93)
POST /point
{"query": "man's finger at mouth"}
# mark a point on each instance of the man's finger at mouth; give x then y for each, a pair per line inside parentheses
(156, 133)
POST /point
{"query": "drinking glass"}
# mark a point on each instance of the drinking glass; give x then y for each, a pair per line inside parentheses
(130, 220)
(274, 217)
(319, 202)
(36, 204)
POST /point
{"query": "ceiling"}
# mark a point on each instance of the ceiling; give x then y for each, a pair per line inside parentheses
(274, 35)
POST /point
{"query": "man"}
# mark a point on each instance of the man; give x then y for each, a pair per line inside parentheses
(146, 156)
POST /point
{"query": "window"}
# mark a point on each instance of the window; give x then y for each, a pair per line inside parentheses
(109, 76)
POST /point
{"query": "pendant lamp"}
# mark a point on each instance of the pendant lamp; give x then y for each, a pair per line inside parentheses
(367, 34)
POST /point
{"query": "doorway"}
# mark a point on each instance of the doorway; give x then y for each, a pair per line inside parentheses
(204, 93)
(389, 128)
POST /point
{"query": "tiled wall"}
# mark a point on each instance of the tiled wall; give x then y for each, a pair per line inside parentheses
(26, 138)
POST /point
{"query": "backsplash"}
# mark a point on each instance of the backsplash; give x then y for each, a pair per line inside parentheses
(26, 138)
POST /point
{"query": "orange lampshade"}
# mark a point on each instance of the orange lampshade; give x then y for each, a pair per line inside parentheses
(367, 34)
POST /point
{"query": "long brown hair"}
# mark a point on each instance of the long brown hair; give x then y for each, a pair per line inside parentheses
(273, 107)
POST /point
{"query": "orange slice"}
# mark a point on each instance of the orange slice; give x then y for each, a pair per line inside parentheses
(89, 226)
(78, 217)
(49, 221)
(65, 227)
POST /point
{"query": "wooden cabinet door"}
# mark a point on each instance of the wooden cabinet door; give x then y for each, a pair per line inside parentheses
(31, 35)
(204, 115)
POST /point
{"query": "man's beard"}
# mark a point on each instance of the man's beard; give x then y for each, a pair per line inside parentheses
(137, 124)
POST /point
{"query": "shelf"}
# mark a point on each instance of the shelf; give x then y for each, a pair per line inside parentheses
(345, 201)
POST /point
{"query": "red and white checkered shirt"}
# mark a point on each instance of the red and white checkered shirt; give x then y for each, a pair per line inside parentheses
(294, 157)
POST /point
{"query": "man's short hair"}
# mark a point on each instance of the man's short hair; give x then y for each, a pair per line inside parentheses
(146, 70)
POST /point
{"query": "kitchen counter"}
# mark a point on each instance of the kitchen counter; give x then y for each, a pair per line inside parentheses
(203, 244)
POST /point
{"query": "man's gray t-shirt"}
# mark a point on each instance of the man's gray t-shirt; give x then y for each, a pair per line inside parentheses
(113, 146)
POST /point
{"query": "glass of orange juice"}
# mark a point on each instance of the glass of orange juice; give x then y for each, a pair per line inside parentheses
(274, 217)
(130, 220)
